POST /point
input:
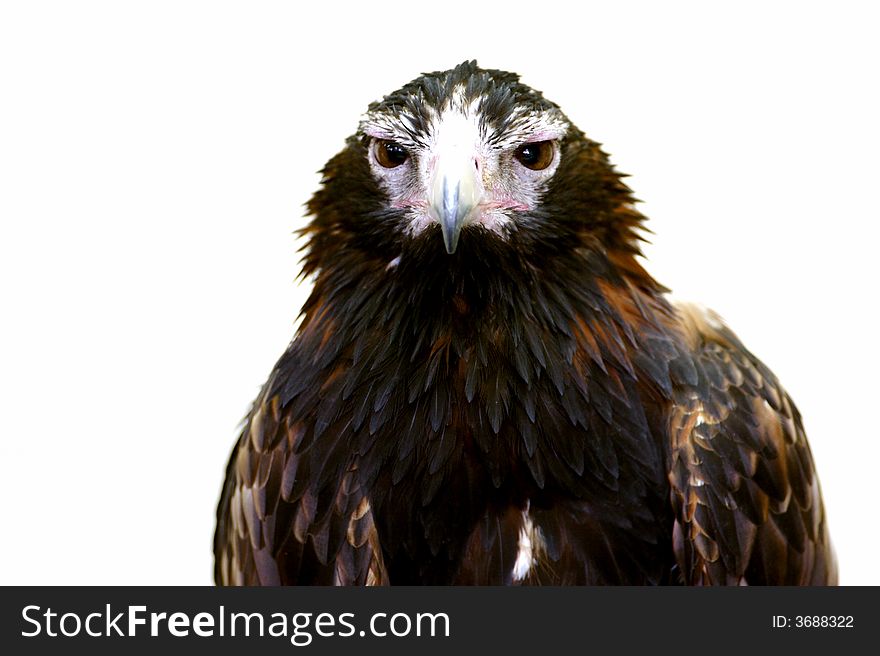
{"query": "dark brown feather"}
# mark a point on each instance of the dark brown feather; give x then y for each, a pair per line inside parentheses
(745, 493)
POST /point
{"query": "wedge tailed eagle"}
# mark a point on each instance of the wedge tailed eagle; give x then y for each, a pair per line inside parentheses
(487, 387)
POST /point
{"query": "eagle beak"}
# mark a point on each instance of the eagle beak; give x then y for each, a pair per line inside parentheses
(454, 196)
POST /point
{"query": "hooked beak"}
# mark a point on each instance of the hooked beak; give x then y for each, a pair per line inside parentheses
(455, 193)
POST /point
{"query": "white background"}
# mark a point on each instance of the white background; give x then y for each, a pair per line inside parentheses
(155, 156)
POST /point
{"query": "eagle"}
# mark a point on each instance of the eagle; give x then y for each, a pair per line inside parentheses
(488, 388)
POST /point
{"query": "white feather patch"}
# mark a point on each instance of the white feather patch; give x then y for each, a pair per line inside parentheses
(528, 547)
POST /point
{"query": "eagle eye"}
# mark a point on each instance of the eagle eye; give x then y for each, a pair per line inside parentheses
(390, 154)
(536, 156)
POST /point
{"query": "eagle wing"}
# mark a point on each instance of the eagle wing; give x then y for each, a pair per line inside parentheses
(275, 526)
(748, 507)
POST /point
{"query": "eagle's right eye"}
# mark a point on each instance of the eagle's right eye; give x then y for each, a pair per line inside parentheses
(390, 154)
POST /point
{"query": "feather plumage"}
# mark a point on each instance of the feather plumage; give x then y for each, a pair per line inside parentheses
(437, 409)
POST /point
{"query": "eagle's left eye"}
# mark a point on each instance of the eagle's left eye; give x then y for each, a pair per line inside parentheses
(536, 156)
(390, 154)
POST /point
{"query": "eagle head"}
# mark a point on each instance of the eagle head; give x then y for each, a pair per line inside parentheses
(469, 156)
